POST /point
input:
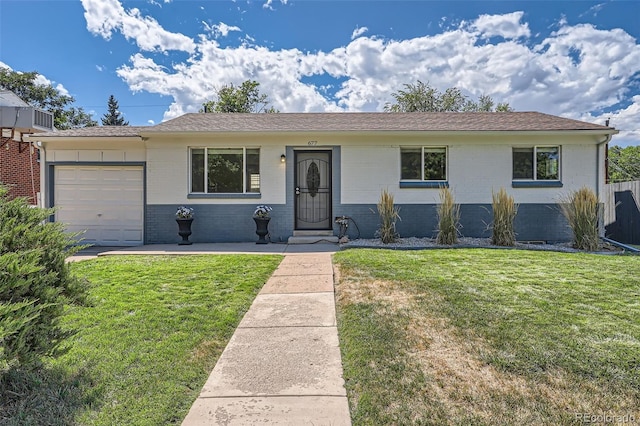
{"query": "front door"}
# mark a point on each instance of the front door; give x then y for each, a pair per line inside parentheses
(313, 190)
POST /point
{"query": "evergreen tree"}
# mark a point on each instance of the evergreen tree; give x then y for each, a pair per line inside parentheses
(36, 283)
(113, 117)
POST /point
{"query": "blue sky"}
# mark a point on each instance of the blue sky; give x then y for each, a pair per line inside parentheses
(162, 58)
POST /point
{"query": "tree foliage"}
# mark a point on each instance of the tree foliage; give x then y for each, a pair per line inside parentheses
(46, 97)
(35, 281)
(624, 163)
(243, 98)
(421, 97)
(113, 117)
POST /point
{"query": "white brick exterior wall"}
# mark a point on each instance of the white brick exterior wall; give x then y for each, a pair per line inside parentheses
(477, 164)
(168, 170)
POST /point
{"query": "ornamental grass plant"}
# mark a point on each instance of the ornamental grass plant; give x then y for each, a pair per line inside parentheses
(448, 218)
(581, 210)
(389, 215)
(504, 214)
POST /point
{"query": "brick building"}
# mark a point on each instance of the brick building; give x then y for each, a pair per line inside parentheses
(20, 169)
(19, 165)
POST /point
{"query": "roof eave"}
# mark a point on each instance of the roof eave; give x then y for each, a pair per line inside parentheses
(88, 137)
(608, 131)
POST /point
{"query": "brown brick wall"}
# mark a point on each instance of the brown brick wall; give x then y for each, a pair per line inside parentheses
(15, 171)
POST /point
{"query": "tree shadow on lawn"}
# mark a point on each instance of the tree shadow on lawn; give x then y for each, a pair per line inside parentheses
(43, 395)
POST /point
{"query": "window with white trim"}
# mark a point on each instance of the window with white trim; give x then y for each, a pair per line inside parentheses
(423, 163)
(225, 170)
(536, 163)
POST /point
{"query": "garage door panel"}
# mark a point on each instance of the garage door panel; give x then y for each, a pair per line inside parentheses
(106, 202)
(66, 176)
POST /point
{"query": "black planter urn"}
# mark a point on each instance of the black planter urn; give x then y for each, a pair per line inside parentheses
(184, 230)
(262, 229)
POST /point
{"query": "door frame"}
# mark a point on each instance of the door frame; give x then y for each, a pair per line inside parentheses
(329, 152)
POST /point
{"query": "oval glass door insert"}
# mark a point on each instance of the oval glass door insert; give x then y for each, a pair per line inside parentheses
(313, 179)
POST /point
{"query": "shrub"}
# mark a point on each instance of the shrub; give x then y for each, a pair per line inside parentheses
(448, 218)
(389, 214)
(35, 281)
(504, 213)
(581, 210)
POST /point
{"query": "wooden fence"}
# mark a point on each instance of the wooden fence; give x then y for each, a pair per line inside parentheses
(622, 211)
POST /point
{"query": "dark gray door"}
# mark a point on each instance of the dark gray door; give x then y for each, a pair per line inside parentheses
(313, 190)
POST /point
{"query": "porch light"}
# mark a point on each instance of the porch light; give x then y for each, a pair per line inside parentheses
(283, 158)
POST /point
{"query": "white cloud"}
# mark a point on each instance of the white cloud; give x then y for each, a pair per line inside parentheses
(106, 16)
(220, 29)
(507, 26)
(267, 4)
(594, 10)
(625, 120)
(151, 122)
(358, 32)
(576, 71)
(100, 68)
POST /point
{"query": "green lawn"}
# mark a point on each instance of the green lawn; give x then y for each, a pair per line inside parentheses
(144, 348)
(488, 336)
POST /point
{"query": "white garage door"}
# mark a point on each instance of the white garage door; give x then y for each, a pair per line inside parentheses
(104, 202)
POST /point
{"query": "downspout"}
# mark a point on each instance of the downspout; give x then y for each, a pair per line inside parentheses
(43, 189)
(605, 142)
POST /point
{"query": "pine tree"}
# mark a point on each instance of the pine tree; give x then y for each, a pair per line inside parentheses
(113, 117)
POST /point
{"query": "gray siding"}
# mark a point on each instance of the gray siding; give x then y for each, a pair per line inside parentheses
(215, 223)
(234, 223)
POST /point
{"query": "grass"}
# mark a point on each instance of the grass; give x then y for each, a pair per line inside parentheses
(146, 345)
(488, 337)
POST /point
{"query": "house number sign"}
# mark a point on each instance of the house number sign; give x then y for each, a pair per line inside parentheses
(312, 143)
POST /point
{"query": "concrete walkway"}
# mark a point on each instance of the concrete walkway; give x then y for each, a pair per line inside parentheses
(282, 364)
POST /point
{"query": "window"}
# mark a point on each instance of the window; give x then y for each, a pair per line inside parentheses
(423, 164)
(225, 170)
(537, 163)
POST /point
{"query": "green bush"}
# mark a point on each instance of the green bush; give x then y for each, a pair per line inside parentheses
(581, 210)
(448, 218)
(35, 281)
(504, 213)
(389, 215)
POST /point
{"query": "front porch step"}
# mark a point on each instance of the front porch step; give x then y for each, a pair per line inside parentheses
(316, 233)
(312, 239)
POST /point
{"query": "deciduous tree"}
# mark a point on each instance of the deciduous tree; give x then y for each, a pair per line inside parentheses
(243, 98)
(46, 97)
(421, 97)
(624, 163)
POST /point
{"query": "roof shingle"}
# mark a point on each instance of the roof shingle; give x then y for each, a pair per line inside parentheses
(374, 122)
(344, 122)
